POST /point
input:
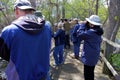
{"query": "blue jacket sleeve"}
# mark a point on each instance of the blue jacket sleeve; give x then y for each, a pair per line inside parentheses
(4, 51)
(57, 33)
(76, 27)
(5, 41)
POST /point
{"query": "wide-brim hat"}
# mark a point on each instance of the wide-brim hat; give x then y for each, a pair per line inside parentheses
(23, 5)
(94, 19)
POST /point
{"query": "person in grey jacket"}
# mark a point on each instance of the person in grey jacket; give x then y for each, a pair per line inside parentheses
(91, 46)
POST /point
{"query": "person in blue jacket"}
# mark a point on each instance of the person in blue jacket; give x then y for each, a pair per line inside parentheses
(59, 38)
(76, 41)
(26, 44)
(91, 46)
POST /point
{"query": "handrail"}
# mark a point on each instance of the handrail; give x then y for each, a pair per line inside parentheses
(113, 71)
(115, 74)
(110, 42)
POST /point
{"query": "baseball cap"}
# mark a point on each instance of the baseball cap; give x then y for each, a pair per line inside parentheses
(23, 5)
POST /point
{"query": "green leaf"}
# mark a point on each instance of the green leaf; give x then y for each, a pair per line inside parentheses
(116, 18)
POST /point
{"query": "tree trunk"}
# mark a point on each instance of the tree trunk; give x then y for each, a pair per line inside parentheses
(33, 3)
(63, 12)
(97, 6)
(57, 9)
(111, 26)
(63, 9)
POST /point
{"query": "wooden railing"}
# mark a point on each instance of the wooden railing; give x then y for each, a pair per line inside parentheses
(113, 71)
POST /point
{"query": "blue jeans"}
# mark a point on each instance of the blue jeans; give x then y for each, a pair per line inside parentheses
(58, 54)
(76, 48)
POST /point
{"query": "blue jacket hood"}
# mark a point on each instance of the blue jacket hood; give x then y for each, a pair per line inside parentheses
(30, 24)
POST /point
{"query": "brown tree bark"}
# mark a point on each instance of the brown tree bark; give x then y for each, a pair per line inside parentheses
(111, 27)
(97, 5)
(63, 9)
(33, 2)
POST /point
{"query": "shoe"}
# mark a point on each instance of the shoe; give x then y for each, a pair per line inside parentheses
(55, 64)
(61, 63)
(77, 57)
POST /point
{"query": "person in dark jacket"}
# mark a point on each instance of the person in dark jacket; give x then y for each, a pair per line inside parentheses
(59, 38)
(91, 46)
(76, 41)
(26, 44)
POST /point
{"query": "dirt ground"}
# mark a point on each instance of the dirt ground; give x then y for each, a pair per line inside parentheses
(72, 69)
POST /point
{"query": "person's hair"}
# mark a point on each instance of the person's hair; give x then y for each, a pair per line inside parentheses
(96, 27)
(27, 11)
(65, 19)
(62, 20)
(87, 25)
